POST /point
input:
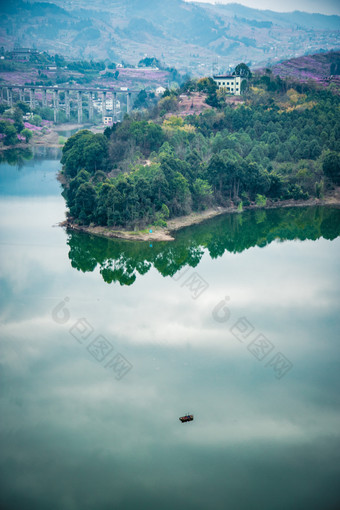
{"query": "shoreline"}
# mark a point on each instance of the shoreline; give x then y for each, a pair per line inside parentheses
(332, 198)
(22, 146)
(51, 139)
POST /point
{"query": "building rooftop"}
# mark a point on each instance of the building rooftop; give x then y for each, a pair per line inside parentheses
(224, 77)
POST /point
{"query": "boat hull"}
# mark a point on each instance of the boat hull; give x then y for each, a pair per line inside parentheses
(188, 417)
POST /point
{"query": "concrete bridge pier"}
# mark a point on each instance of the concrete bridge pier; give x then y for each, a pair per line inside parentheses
(9, 97)
(55, 105)
(90, 107)
(80, 107)
(32, 99)
(67, 104)
(128, 102)
(104, 105)
(28, 93)
(114, 99)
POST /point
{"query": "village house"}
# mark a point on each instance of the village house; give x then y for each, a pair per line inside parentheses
(231, 84)
(108, 121)
(160, 90)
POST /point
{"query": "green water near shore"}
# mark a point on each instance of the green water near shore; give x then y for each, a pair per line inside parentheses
(105, 343)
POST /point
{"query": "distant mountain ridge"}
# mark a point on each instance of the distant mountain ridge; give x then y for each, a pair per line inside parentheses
(300, 18)
(190, 36)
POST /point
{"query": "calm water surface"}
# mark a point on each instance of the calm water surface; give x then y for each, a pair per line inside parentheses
(104, 344)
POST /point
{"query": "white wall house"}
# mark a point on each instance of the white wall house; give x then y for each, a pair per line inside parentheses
(160, 91)
(232, 84)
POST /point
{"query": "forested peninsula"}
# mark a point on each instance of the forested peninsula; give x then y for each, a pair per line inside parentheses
(281, 142)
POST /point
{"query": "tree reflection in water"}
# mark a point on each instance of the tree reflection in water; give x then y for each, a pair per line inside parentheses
(121, 261)
(16, 157)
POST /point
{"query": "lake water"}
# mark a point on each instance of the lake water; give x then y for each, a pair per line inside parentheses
(105, 344)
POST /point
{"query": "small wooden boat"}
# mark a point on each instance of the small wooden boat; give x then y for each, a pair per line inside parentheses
(187, 417)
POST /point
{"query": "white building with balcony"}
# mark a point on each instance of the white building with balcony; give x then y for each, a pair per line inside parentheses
(231, 84)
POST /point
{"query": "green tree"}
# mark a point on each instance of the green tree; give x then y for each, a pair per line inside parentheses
(202, 194)
(331, 166)
(167, 104)
(243, 70)
(3, 125)
(244, 86)
(141, 100)
(207, 85)
(71, 191)
(27, 133)
(94, 155)
(24, 107)
(36, 120)
(11, 135)
(17, 117)
(261, 200)
(85, 202)
(84, 150)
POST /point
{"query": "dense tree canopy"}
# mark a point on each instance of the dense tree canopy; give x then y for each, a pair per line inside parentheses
(242, 70)
(140, 171)
(331, 166)
(12, 128)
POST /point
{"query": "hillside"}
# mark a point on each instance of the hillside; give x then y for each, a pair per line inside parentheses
(30, 73)
(191, 37)
(324, 68)
(181, 158)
